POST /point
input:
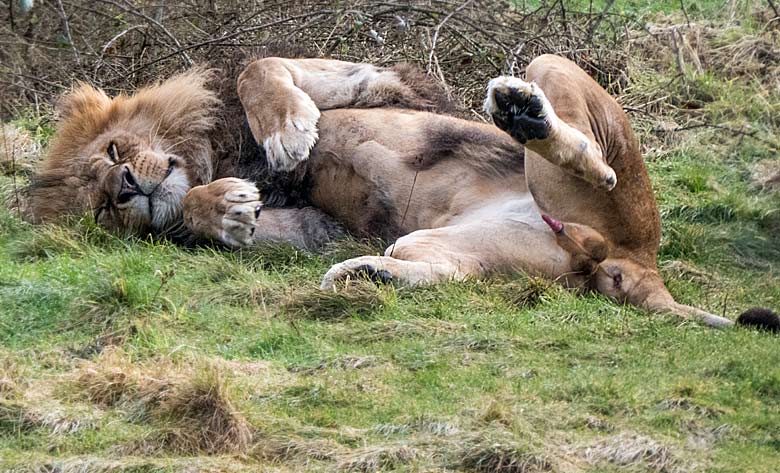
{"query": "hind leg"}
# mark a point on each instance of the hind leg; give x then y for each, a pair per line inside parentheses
(282, 99)
(454, 253)
(522, 110)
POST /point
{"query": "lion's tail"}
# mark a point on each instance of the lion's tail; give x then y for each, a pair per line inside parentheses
(662, 301)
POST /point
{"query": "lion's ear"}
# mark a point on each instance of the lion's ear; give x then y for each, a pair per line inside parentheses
(82, 99)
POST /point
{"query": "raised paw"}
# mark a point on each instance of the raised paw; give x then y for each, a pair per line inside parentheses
(225, 210)
(366, 267)
(291, 145)
(519, 108)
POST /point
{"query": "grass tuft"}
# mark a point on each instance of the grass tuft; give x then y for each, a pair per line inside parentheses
(360, 299)
(490, 455)
(201, 416)
(380, 458)
(526, 293)
(194, 408)
(632, 450)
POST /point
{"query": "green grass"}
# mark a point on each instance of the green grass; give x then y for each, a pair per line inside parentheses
(118, 354)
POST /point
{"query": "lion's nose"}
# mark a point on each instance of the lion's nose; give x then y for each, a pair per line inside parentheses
(151, 170)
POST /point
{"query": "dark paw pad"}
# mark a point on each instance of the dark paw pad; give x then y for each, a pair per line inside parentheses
(373, 274)
(520, 115)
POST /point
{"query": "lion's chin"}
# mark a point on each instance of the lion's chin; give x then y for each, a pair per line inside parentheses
(167, 202)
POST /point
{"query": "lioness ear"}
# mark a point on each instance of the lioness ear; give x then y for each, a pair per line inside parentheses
(82, 99)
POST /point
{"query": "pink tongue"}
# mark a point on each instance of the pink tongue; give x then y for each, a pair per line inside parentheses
(555, 225)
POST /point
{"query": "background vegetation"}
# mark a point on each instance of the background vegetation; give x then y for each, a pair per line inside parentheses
(130, 355)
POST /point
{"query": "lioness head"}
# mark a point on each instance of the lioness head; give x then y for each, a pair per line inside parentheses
(129, 159)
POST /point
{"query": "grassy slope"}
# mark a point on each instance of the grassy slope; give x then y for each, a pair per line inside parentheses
(476, 375)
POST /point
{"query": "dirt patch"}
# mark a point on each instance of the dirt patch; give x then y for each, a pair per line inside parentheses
(19, 151)
(766, 175)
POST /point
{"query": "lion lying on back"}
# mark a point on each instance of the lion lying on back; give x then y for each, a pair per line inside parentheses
(359, 146)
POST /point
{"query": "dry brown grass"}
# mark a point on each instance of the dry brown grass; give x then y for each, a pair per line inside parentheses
(194, 407)
(298, 450)
(358, 299)
(527, 292)
(380, 458)
(19, 151)
(766, 175)
(632, 451)
(502, 455)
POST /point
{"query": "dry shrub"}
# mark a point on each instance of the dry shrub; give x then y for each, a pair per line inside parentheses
(724, 48)
(631, 450)
(121, 45)
(192, 407)
(203, 416)
(693, 48)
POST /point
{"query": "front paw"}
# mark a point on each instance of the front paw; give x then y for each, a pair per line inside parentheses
(225, 210)
(291, 144)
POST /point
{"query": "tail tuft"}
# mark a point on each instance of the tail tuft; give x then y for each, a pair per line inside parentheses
(760, 318)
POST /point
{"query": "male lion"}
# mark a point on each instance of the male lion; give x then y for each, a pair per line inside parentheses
(354, 141)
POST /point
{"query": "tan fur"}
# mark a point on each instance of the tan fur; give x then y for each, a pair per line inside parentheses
(463, 197)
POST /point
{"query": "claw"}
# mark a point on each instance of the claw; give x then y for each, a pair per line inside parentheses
(373, 274)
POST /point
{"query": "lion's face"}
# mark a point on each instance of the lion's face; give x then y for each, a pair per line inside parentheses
(129, 160)
(141, 184)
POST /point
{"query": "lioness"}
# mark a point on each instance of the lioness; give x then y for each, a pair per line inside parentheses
(355, 141)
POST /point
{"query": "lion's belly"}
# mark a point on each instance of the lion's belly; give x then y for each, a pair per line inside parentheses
(388, 172)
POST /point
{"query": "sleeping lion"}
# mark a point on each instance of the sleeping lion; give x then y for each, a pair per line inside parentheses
(557, 189)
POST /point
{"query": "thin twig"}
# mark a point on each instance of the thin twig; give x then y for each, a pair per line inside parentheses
(436, 33)
(128, 9)
(99, 61)
(685, 13)
(225, 38)
(66, 29)
(774, 8)
(751, 134)
(408, 202)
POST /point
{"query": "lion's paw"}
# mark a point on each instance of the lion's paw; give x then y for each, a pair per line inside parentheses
(225, 210)
(520, 108)
(366, 267)
(288, 147)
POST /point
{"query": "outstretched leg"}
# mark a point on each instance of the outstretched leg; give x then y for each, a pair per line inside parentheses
(283, 99)
(506, 244)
